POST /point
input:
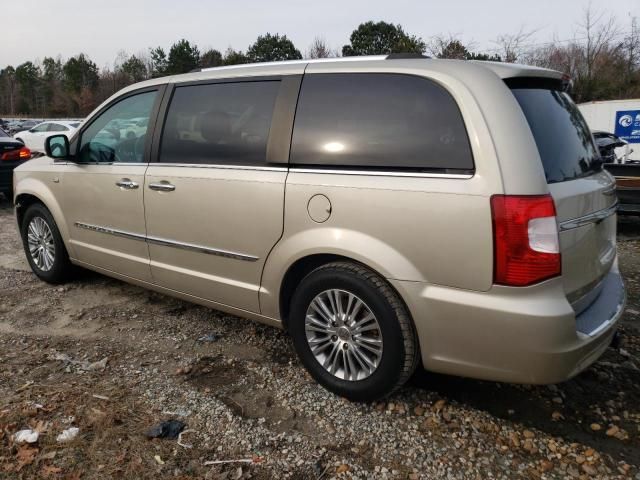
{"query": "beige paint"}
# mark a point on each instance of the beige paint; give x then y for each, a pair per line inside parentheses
(431, 238)
(220, 208)
(91, 196)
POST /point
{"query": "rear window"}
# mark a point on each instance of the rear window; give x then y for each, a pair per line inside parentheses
(561, 133)
(378, 121)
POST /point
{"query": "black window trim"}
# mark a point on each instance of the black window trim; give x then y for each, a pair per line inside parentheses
(280, 131)
(76, 140)
(390, 170)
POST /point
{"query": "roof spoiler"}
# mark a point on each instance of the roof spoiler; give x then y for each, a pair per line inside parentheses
(406, 55)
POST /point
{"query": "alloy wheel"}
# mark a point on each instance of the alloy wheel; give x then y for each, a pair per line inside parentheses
(344, 335)
(40, 242)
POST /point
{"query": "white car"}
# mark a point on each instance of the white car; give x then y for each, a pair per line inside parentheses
(34, 138)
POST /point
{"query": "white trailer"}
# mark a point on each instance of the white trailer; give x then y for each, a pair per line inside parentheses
(621, 117)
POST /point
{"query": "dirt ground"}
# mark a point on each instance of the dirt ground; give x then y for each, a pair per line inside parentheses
(112, 360)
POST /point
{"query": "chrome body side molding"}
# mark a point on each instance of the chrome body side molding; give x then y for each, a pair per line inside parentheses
(168, 243)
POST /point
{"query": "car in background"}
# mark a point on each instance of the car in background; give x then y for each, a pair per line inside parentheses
(615, 153)
(26, 125)
(35, 137)
(13, 126)
(613, 149)
(12, 154)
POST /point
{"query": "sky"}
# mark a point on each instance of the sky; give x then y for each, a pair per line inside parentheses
(101, 29)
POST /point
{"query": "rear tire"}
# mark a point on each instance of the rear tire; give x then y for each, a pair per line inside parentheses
(43, 245)
(352, 332)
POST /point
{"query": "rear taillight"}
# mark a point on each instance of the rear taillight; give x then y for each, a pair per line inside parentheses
(19, 154)
(525, 239)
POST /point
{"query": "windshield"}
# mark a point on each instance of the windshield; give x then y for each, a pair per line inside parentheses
(561, 133)
(3, 133)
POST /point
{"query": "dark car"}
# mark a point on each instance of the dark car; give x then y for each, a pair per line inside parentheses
(607, 144)
(627, 172)
(12, 154)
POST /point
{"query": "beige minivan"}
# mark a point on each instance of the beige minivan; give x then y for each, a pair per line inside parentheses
(385, 211)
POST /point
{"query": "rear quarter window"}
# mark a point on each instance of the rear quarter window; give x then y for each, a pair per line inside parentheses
(379, 121)
(561, 134)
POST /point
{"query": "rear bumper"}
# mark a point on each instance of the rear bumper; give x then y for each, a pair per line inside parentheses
(520, 335)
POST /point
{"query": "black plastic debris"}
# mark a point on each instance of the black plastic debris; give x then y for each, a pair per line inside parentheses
(169, 429)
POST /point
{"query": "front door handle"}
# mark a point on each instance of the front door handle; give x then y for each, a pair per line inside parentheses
(163, 186)
(127, 184)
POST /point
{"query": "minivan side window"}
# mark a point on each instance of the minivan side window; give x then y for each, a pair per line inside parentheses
(219, 123)
(117, 135)
(378, 121)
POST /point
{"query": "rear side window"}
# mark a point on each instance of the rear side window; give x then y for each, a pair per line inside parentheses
(561, 133)
(221, 123)
(378, 121)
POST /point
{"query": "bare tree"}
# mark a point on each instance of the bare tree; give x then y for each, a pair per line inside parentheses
(632, 48)
(513, 46)
(320, 49)
(447, 46)
(598, 33)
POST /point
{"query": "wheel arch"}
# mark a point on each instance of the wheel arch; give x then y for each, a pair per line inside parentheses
(304, 266)
(30, 191)
(306, 250)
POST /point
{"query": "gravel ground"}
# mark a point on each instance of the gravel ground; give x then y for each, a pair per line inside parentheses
(112, 360)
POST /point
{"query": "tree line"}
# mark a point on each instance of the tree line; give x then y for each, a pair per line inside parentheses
(602, 59)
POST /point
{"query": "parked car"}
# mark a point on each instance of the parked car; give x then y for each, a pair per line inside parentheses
(12, 154)
(385, 211)
(35, 137)
(608, 144)
(13, 126)
(25, 125)
(615, 152)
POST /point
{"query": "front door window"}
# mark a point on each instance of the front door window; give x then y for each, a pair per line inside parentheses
(119, 134)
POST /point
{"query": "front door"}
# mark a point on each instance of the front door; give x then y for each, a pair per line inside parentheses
(214, 198)
(103, 187)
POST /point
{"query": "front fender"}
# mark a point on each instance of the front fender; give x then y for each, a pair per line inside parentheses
(38, 188)
(368, 250)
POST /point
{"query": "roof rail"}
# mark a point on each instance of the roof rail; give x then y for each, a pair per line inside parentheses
(297, 62)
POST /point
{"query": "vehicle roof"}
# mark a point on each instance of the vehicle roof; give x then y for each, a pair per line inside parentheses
(355, 64)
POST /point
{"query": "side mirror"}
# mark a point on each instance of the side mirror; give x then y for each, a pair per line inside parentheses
(57, 146)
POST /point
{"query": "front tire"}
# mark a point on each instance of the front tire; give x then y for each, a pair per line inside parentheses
(352, 332)
(43, 245)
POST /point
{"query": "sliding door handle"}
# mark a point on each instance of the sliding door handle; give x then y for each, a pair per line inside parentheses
(163, 186)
